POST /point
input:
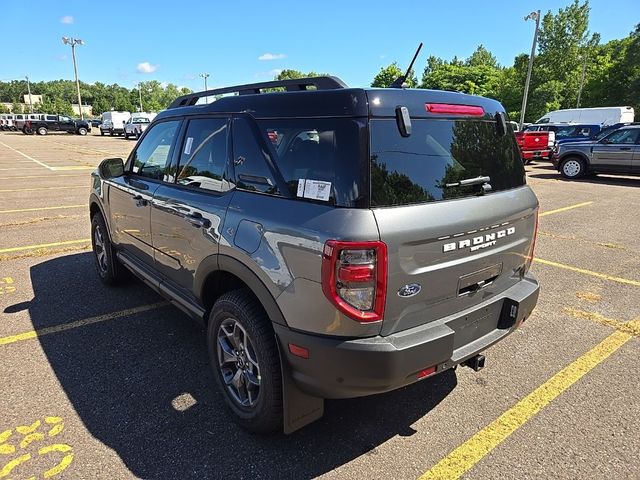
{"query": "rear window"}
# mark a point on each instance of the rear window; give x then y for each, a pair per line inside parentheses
(425, 166)
(320, 159)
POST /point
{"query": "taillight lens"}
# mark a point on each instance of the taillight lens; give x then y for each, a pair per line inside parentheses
(354, 278)
(552, 138)
(454, 109)
(529, 260)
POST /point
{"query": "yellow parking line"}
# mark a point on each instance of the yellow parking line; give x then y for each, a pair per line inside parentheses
(588, 272)
(632, 327)
(19, 210)
(463, 458)
(78, 323)
(564, 209)
(43, 245)
(43, 188)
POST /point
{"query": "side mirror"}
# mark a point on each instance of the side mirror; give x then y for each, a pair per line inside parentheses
(111, 168)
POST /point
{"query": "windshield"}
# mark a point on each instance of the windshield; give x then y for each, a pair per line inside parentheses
(426, 166)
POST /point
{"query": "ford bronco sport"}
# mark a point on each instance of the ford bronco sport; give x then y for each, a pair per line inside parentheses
(336, 242)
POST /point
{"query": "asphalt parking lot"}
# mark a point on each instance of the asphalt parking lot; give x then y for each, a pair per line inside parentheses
(114, 383)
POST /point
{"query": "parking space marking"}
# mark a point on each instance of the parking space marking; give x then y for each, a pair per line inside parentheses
(26, 156)
(588, 272)
(80, 148)
(472, 451)
(66, 187)
(632, 327)
(30, 434)
(41, 176)
(20, 210)
(31, 334)
(7, 286)
(564, 209)
(43, 245)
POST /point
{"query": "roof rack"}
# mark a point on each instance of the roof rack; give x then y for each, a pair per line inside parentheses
(320, 83)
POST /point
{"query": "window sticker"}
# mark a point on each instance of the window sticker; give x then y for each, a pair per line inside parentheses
(314, 189)
(187, 145)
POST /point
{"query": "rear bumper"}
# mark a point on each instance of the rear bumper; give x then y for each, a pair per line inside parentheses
(536, 154)
(338, 368)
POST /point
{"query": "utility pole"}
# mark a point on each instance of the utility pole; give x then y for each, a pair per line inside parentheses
(29, 90)
(584, 71)
(73, 42)
(140, 93)
(532, 16)
(205, 76)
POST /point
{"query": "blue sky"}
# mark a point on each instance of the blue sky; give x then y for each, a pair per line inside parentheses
(138, 40)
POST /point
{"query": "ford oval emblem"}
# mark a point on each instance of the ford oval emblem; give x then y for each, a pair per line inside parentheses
(409, 290)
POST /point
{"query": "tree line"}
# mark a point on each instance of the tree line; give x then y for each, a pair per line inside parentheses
(565, 48)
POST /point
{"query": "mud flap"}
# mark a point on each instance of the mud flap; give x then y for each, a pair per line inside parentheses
(298, 408)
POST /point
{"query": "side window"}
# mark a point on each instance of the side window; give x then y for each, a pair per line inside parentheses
(204, 155)
(250, 165)
(624, 136)
(152, 154)
(51, 117)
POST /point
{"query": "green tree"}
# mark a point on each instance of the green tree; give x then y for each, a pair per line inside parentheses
(16, 107)
(387, 75)
(482, 57)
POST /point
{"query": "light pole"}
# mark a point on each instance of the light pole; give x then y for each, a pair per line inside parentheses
(73, 42)
(205, 76)
(29, 90)
(140, 93)
(533, 16)
(584, 71)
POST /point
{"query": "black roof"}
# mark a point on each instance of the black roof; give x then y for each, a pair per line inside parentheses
(320, 97)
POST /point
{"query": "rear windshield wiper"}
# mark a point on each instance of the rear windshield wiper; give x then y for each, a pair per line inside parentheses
(470, 181)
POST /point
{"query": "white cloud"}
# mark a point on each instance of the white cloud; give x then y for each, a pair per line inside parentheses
(146, 67)
(67, 20)
(272, 56)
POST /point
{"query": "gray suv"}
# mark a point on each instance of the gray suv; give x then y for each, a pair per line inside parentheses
(618, 152)
(336, 242)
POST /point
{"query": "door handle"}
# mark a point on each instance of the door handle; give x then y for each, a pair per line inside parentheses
(625, 148)
(198, 221)
(140, 202)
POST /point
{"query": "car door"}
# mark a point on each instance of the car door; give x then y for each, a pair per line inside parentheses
(130, 195)
(187, 215)
(616, 151)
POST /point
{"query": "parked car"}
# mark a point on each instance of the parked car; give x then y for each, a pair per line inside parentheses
(336, 242)
(56, 123)
(594, 115)
(135, 126)
(113, 122)
(7, 122)
(618, 152)
(22, 119)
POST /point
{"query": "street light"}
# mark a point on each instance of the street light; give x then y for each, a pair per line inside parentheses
(532, 16)
(205, 76)
(29, 90)
(584, 71)
(73, 42)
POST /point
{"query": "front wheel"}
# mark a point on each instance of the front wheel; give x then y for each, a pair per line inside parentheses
(244, 356)
(572, 168)
(110, 271)
(82, 131)
(42, 131)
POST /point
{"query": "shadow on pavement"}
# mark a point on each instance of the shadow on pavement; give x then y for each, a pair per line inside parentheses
(142, 386)
(599, 179)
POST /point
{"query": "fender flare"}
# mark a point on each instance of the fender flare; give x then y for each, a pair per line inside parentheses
(93, 198)
(224, 263)
(574, 153)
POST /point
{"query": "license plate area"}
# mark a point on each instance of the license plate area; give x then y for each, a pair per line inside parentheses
(469, 328)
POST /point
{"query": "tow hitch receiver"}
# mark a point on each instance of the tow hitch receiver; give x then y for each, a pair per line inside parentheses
(476, 363)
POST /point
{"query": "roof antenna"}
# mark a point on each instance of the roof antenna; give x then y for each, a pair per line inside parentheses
(399, 82)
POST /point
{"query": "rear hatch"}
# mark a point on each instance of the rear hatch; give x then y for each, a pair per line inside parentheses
(450, 245)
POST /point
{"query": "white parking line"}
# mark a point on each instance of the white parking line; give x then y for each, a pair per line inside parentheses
(27, 156)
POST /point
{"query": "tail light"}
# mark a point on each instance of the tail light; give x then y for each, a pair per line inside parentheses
(454, 109)
(354, 278)
(552, 138)
(529, 260)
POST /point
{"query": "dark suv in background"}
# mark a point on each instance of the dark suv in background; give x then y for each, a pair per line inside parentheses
(336, 242)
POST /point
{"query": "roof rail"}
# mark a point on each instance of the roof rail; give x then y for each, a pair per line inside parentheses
(320, 83)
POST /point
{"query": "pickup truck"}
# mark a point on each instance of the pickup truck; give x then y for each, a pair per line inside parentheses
(55, 123)
(535, 145)
(135, 126)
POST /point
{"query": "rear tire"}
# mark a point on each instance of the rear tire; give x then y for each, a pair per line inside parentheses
(245, 360)
(109, 269)
(82, 131)
(573, 168)
(42, 131)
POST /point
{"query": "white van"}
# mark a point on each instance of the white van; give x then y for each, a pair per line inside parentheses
(596, 115)
(113, 122)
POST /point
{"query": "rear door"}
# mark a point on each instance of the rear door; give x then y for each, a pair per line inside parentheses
(188, 214)
(454, 245)
(130, 195)
(616, 151)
